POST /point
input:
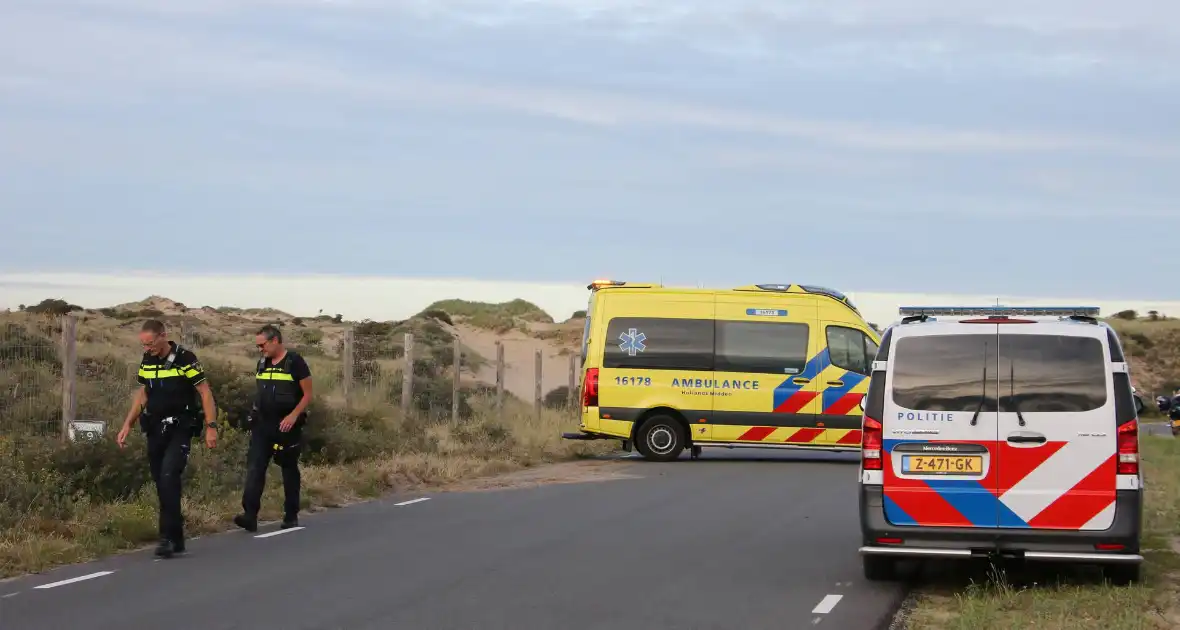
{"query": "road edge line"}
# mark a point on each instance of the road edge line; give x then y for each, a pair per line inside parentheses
(74, 580)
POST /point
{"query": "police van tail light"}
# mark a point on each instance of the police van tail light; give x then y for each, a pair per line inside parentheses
(590, 388)
(1128, 441)
(872, 436)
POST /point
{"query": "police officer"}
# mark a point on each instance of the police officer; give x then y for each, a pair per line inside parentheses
(276, 423)
(170, 379)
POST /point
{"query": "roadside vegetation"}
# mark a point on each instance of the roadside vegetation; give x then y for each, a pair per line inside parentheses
(952, 596)
(68, 502)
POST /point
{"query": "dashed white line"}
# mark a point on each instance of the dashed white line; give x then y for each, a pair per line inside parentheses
(279, 532)
(826, 604)
(73, 580)
(412, 501)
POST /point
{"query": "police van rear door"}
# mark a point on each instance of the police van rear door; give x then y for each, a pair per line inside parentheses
(1057, 428)
(940, 426)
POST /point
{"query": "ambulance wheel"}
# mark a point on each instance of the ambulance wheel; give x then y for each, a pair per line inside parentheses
(660, 439)
(878, 568)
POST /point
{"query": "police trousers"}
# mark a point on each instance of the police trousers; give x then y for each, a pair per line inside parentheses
(267, 442)
(168, 451)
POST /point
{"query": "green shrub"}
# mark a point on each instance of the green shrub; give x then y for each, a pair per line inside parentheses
(53, 307)
(434, 313)
(310, 336)
(557, 398)
(20, 346)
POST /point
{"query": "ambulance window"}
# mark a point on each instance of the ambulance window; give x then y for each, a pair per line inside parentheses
(871, 349)
(1051, 373)
(848, 349)
(944, 372)
(761, 347)
(658, 343)
(585, 338)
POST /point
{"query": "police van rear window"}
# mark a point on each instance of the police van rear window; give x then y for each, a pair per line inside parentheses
(945, 372)
(1051, 373)
(1029, 373)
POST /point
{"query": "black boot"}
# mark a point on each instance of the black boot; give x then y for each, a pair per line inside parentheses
(289, 522)
(165, 549)
(247, 523)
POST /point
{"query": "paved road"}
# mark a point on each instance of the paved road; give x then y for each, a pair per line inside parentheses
(729, 541)
(1158, 429)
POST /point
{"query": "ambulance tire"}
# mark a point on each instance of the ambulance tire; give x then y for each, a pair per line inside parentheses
(660, 438)
(878, 568)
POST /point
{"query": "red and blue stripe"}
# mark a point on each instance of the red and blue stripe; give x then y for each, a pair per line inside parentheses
(789, 396)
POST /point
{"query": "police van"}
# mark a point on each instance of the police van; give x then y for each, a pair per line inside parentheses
(763, 366)
(1001, 431)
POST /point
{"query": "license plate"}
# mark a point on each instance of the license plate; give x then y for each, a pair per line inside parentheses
(942, 464)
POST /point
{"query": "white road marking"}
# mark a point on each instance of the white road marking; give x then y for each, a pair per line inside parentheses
(412, 501)
(10, 595)
(827, 604)
(77, 579)
(278, 532)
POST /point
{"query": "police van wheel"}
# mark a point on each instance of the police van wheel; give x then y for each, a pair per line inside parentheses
(1122, 574)
(660, 439)
(878, 568)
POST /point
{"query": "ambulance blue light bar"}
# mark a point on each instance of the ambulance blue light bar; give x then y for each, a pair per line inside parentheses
(999, 311)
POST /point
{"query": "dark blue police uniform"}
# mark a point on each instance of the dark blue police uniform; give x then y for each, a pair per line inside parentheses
(170, 421)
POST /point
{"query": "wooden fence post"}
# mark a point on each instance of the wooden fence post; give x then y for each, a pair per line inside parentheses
(455, 381)
(346, 357)
(69, 374)
(500, 377)
(408, 375)
(537, 375)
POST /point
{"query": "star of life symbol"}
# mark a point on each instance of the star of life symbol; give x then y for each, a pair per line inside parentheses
(632, 342)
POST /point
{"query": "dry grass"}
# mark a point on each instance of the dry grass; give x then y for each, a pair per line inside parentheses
(1066, 598)
(1154, 350)
(69, 503)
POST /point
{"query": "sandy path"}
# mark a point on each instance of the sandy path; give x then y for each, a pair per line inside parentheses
(519, 360)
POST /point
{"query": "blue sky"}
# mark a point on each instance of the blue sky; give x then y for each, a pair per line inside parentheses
(896, 146)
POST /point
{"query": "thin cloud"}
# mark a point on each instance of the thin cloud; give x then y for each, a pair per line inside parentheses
(109, 58)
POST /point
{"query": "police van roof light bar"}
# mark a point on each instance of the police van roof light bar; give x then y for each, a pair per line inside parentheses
(999, 311)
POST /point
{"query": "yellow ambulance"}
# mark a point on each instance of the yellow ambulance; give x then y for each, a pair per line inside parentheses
(764, 366)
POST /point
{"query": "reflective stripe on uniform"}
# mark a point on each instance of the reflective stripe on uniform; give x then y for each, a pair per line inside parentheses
(275, 376)
(163, 373)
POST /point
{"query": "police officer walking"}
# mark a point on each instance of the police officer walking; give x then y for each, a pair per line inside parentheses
(276, 423)
(170, 379)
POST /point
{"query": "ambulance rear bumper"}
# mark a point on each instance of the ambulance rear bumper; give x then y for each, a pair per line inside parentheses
(1119, 543)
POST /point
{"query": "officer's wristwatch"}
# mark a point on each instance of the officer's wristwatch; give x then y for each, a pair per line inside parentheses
(211, 425)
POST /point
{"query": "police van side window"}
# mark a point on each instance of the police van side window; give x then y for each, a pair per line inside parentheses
(944, 373)
(1051, 373)
(656, 343)
(761, 347)
(848, 349)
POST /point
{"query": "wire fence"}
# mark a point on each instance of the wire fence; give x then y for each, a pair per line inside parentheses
(75, 375)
